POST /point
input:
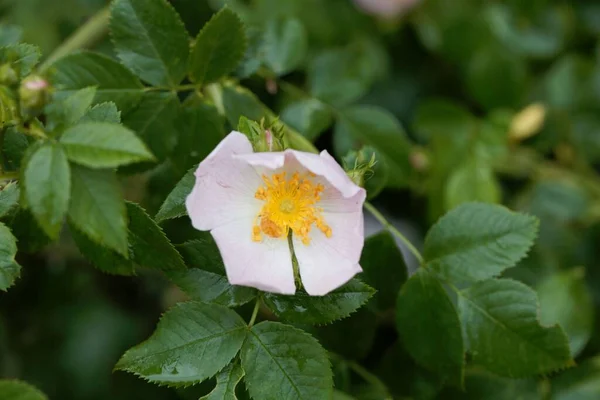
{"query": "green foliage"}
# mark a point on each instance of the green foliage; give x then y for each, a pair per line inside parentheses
(22, 57)
(17, 390)
(282, 362)
(9, 198)
(308, 116)
(285, 45)
(174, 204)
(187, 335)
(103, 112)
(9, 269)
(71, 109)
(227, 380)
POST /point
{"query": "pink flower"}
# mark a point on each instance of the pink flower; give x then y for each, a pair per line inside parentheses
(250, 202)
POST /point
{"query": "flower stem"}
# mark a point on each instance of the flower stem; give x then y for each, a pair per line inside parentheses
(254, 312)
(386, 224)
(94, 29)
(368, 377)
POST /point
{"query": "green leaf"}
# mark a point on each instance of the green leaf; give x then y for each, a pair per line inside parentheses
(310, 117)
(581, 383)
(500, 323)
(97, 208)
(477, 241)
(570, 84)
(219, 47)
(103, 145)
(480, 384)
(429, 326)
(22, 57)
(335, 337)
(17, 390)
(239, 101)
(174, 204)
(380, 129)
(47, 186)
(150, 246)
(154, 122)
(193, 341)
(282, 362)
(9, 269)
(151, 40)
(319, 310)
(70, 109)
(113, 81)
(383, 268)
(474, 180)
(14, 148)
(440, 117)
(103, 112)
(206, 280)
(9, 198)
(227, 380)
(285, 44)
(566, 300)
(10, 34)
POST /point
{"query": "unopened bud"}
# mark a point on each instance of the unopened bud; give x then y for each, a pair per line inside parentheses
(271, 86)
(263, 139)
(528, 122)
(419, 160)
(34, 94)
(8, 76)
(359, 164)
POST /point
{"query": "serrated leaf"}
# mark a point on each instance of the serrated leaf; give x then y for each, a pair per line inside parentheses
(219, 47)
(310, 117)
(174, 204)
(319, 310)
(103, 258)
(477, 241)
(14, 147)
(227, 380)
(566, 300)
(383, 268)
(150, 246)
(9, 198)
(113, 81)
(206, 280)
(17, 390)
(239, 101)
(285, 44)
(429, 326)
(30, 236)
(503, 333)
(282, 362)
(97, 208)
(22, 57)
(70, 109)
(103, 145)
(103, 112)
(47, 186)
(151, 40)
(192, 342)
(474, 180)
(9, 269)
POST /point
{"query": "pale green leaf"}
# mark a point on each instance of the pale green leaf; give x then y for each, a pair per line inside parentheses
(310, 117)
(9, 198)
(429, 327)
(438, 117)
(113, 81)
(477, 241)
(174, 204)
(10, 34)
(319, 310)
(219, 47)
(285, 44)
(103, 145)
(474, 180)
(97, 208)
(151, 40)
(282, 362)
(47, 186)
(17, 390)
(503, 333)
(9, 269)
(192, 342)
(227, 380)
(22, 57)
(71, 109)
(103, 112)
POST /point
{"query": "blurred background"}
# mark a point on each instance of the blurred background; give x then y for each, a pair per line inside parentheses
(499, 102)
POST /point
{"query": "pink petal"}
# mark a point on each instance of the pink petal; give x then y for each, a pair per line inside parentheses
(225, 186)
(265, 265)
(328, 263)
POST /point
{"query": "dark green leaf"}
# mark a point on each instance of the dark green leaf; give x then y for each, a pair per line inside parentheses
(113, 81)
(150, 40)
(239, 102)
(335, 337)
(193, 341)
(429, 326)
(15, 145)
(174, 205)
(581, 383)
(150, 246)
(97, 208)
(9, 198)
(383, 268)
(285, 45)
(70, 109)
(22, 57)
(17, 390)
(440, 117)
(483, 385)
(319, 310)
(500, 323)
(477, 241)
(310, 117)
(227, 380)
(103, 145)
(566, 300)
(219, 47)
(103, 112)
(9, 269)
(282, 362)
(30, 236)
(47, 186)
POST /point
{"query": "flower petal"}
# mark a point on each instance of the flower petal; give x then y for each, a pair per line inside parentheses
(265, 265)
(328, 263)
(225, 186)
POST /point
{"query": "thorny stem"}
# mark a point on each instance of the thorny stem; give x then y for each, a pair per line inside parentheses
(254, 312)
(386, 224)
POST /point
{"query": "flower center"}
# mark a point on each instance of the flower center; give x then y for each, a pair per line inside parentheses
(290, 204)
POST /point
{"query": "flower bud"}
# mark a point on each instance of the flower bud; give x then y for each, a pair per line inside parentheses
(8, 76)
(528, 122)
(263, 139)
(34, 94)
(359, 164)
(419, 160)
